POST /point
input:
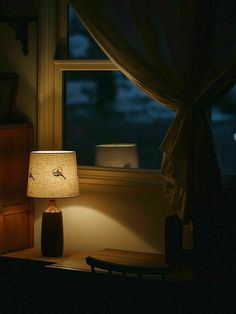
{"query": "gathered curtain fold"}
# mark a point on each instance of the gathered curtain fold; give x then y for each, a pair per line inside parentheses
(183, 55)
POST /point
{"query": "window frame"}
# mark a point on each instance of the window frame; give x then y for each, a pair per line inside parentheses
(52, 62)
(148, 178)
(51, 65)
(60, 66)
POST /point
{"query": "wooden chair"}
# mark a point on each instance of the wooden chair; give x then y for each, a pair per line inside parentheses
(127, 270)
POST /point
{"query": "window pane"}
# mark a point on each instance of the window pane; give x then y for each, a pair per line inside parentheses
(224, 128)
(105, 107)
(80, 44)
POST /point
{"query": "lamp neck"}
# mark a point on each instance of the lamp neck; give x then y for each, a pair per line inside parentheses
(52, 208)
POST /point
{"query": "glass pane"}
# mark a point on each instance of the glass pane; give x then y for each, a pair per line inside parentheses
(80, 44)
(103, 107)
(224, 127)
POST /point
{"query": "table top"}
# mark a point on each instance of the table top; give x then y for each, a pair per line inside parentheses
(124, 257)
(76, 261)
(34, 254)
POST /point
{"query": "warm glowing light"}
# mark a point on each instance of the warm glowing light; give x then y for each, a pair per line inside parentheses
(53, 174)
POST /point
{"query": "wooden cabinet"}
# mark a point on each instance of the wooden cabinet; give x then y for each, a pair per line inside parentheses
(16, 209)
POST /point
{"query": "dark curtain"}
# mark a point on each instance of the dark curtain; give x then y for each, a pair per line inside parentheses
(182, 54)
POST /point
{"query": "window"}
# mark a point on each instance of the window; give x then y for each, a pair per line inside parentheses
(83, 76)
(105, 107)
(102, 106)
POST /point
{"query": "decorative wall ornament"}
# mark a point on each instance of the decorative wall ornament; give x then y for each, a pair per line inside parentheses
(20, 26)
(18, 14)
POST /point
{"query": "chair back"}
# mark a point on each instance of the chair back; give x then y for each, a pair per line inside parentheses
(126, 270)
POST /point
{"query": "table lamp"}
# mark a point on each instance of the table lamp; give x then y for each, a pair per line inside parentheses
(52, 175)
(117, 155)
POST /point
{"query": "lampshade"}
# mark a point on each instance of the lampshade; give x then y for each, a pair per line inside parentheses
(116, 155)
(53, 174)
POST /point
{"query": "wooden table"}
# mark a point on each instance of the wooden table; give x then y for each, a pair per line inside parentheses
(75, 261)
(34, 254)
(66, 285)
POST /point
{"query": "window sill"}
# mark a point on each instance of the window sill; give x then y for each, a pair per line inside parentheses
(145, 178)
(120, 177)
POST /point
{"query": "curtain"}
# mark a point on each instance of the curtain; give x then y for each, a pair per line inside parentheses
(183, 55)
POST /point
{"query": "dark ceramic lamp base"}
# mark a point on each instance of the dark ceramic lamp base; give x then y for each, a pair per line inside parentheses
(52, 231)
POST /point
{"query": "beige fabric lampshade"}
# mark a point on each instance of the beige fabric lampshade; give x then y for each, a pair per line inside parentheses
(53, 174)
(117, 155)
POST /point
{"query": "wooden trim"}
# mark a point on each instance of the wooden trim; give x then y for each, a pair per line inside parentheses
(15, 209)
